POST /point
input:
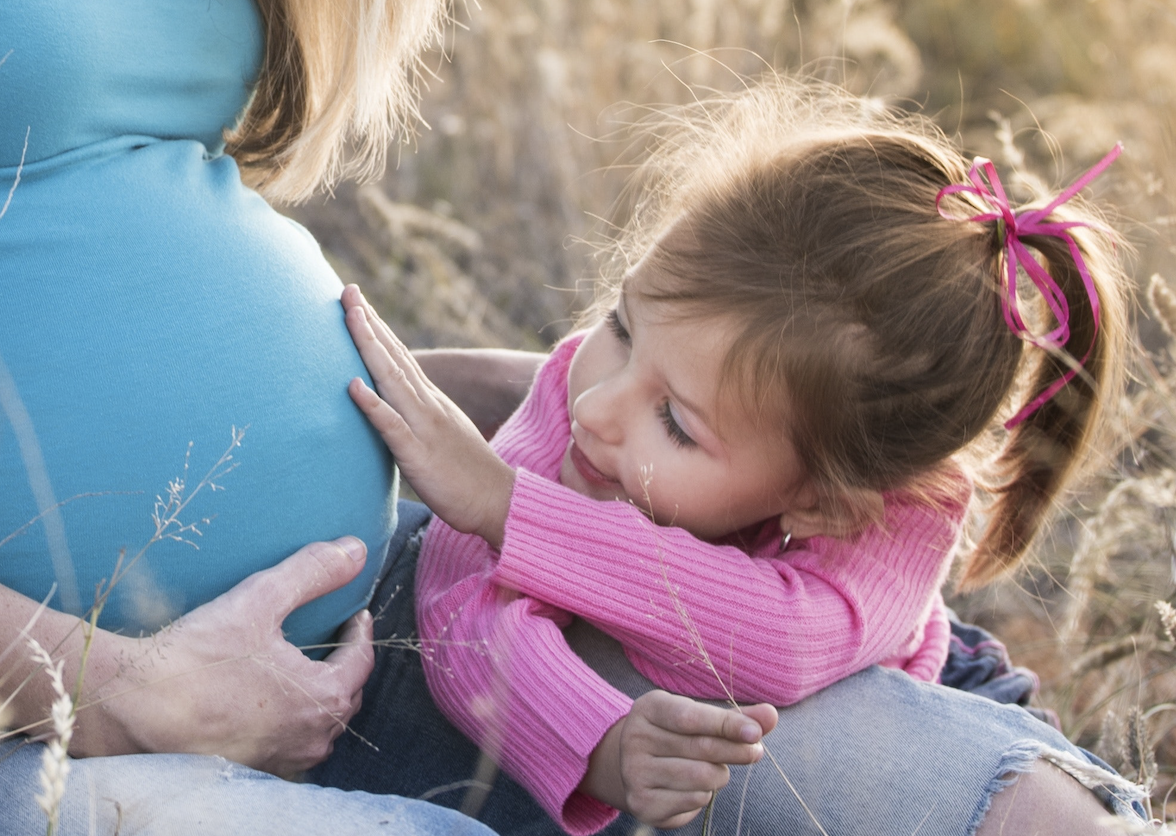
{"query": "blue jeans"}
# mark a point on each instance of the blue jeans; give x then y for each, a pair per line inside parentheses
(877, 754)
(190, 795)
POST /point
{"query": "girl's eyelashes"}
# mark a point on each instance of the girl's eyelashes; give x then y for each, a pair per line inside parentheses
(666, 411)
(613, 320)
(673, 429)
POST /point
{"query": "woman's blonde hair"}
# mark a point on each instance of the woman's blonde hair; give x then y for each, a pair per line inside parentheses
(867, 323)
(339, 82)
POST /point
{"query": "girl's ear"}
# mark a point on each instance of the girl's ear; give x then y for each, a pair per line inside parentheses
(840, 517)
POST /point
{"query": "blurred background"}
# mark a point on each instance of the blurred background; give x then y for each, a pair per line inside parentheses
(481, 235)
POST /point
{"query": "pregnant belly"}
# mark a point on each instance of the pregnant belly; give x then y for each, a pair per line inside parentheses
(153, 308)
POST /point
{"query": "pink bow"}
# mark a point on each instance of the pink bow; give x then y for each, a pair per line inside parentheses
(1013, 226)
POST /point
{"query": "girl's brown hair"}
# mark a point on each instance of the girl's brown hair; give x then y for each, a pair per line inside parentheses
(338, 84)
(867, 321)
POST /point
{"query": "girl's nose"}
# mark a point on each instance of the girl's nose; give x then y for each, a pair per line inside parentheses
(599, 409)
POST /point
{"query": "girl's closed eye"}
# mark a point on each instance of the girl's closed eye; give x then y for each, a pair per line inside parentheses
(613, 320)
(674, 427)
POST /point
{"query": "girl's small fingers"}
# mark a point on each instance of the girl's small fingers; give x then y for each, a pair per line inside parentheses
(668, 809)
(371, 349)
(765, 715)
(383, 331)
(361, 316)
(385, 336)
(742, 727)
(388, 422)
(351, 296)
(387, 367)
(680, 820)
(684, 716)
(714, 751)
(684, 775)
(395, 349)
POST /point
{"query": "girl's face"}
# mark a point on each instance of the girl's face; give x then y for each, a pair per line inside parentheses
(648, 426)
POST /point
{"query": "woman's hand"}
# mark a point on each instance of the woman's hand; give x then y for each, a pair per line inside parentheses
(439, 450)
(665, 760)
(223, 680)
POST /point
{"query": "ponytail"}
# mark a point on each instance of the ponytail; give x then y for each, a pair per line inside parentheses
(1054, 439)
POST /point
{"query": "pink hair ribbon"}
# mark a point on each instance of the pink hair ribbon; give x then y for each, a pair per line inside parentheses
(1013, 226)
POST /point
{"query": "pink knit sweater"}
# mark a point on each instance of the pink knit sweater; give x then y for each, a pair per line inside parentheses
(697, 618)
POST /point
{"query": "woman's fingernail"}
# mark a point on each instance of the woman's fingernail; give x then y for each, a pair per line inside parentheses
(354, 547)
(749, 732)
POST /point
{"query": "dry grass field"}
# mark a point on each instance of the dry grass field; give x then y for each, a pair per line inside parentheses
(482, 235)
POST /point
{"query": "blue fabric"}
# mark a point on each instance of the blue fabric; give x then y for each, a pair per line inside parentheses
(192, 795)
(86, 71)
(151, 301)
(979, 663)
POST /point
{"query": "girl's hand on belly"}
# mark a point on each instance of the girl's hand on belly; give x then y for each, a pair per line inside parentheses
(440, 452)
(223, 680)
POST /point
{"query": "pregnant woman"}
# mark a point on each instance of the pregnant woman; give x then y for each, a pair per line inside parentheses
(164, 334)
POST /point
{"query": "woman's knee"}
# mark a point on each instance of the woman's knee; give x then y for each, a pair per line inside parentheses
(1046, 801)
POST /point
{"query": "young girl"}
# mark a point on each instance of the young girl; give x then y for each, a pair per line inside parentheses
(752, 469)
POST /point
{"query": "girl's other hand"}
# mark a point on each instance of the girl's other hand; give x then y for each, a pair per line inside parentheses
(665, 760)
(439, 450)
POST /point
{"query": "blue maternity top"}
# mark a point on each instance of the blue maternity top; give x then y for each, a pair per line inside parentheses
(149, 304)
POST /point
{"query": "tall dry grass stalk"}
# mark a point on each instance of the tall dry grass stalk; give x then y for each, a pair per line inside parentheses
(526, 95)
(54, 760)
(702, 655)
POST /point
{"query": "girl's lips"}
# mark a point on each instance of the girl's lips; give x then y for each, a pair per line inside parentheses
(586, 469)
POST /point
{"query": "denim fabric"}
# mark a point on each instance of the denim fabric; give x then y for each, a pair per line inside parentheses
(191, 795)
(979, 663)
(877, 753)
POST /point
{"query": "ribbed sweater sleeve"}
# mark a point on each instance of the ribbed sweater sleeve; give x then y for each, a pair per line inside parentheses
(707, 620)
(930, 652)
(497, 663)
